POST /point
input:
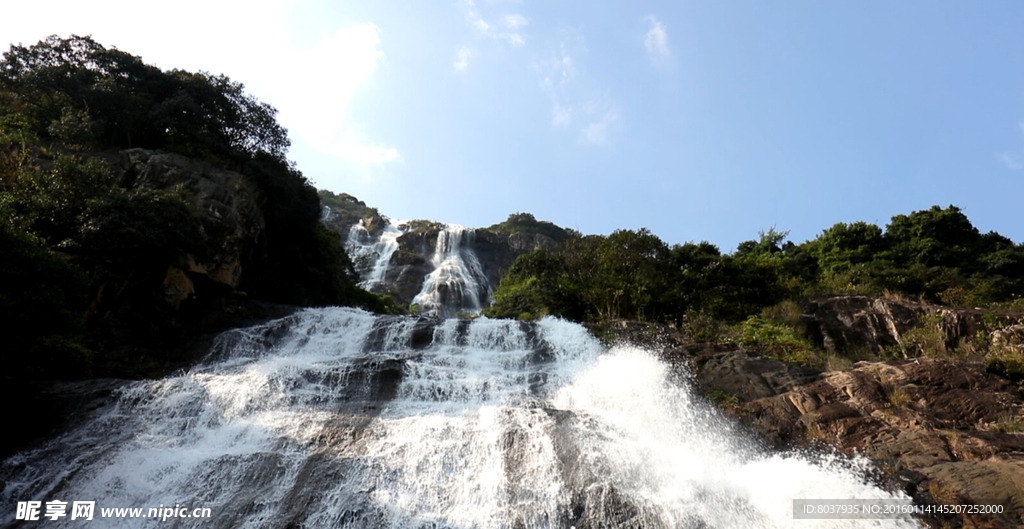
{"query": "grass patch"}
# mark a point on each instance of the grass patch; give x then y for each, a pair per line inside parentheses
(898, 397)
(1009, 423)
(833, 362)
(1007, 363)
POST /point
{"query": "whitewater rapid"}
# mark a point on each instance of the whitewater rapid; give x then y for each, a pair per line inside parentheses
(339, 418)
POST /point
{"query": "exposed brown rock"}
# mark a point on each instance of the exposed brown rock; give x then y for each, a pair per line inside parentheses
(863, 324)
(225, 202)
(943, 429)
(942, 420)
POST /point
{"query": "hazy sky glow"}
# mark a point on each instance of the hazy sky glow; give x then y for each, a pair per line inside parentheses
(698, 120)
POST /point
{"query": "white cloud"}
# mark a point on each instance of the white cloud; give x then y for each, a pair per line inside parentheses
(323, 81)
(473, 17)
(480, 24)
(1010, 161)
(515, 21)
(561, 116)
(506, 30)
(597, 132)
(353, 147)
(462, 56)
(656, 42)
(515, 39)
(556, 72)
(577, 106)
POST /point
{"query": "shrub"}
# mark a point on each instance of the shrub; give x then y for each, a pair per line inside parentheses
(1007, 363)
(702, 327)
(777, 340)
(787, 312)
(926, 339)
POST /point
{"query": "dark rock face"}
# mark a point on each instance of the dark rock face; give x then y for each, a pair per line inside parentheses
(747, 375)
(226, 204)
(411, 263)
(951, 426)
(497, 251)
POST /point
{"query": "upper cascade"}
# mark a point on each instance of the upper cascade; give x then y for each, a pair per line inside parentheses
(452, 280)
(457, 283)
(440, 269)
(372, 255)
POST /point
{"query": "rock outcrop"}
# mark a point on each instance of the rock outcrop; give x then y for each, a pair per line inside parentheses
(226, 205)
(852, 325)
(951, 432)
(944, 430)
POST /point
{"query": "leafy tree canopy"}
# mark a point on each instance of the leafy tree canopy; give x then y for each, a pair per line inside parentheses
(526, 222)
(935, 253)
(81, 93)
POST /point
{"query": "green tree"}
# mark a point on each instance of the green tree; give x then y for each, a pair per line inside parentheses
(933, 237)
(844, 246)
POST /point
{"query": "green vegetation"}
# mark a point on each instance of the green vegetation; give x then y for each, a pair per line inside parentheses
(86, 249)
(934, 254)
(422, 226)
(1008, 363)
(347, 203)
(525, 222)
(96, 247)
(1009, 423)
(776, 339)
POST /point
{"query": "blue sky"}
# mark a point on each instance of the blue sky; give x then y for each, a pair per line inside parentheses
(698, 120)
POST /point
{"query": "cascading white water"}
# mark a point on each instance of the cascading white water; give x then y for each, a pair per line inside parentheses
(372, 255)
(338, 418)
(457, 282)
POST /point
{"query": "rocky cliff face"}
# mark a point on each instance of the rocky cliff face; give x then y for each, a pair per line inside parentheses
(404, 269)
(948, 430)
(227, 206)
(877, 326)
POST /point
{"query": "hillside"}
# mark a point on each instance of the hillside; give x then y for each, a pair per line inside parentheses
(140, 207)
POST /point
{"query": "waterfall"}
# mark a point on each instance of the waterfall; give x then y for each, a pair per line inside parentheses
(372, 256)
(337, 418)
(457, 283)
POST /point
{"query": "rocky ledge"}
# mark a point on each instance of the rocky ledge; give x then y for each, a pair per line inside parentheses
(944, 430)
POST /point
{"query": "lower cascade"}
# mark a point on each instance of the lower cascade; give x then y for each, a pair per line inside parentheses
(337, 418)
